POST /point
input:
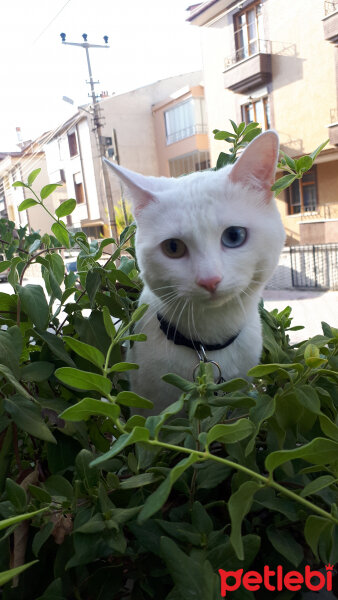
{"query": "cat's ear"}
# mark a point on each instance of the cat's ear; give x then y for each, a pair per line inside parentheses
(142, 188)
(256, 167)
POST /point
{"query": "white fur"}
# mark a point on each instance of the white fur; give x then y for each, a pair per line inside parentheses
(197, 209)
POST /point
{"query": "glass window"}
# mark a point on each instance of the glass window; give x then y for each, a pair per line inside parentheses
(189, 163)
(257, 111)
(185, 119)
(302, 194)
(248, 31)
(73, 151)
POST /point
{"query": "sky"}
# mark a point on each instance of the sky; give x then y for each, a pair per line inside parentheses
(149, 40)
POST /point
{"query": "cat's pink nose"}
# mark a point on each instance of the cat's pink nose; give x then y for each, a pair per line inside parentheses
(210, 284)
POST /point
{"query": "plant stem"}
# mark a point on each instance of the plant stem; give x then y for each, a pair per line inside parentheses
(267, 481)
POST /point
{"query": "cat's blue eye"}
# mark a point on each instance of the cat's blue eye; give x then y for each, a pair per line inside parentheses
(234, 236)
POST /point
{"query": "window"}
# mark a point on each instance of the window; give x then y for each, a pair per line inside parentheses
(73, 151)
(257, 111)
(78, 187)
(185, 119)
(303, 194)
(189, 163)
(248, 31)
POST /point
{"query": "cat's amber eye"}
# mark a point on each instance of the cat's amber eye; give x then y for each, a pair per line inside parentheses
(234, 236)
(174, 248)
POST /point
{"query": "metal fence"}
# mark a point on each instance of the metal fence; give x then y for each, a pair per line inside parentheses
(307, 267)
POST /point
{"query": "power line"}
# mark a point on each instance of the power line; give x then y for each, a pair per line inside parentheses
(52, 21)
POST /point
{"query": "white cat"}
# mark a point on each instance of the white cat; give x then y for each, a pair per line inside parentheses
(206, 243)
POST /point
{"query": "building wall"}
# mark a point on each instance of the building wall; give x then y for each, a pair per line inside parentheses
(302, 91)
(131, 115)
(165, 151)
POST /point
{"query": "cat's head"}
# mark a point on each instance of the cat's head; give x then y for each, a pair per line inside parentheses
(209, 235)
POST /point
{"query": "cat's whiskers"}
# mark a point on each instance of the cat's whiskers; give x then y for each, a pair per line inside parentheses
(179, 316)
(156, 305)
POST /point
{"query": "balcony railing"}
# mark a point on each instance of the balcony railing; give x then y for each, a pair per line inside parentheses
(177, 136)
(322, 211)
(330, 6)
(255, 47)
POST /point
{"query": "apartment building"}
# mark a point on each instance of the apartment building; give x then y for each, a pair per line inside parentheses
(278, 65)
(16, 166)
(144, 130)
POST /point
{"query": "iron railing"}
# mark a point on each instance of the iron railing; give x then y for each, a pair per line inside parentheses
(330, 6)
(176, 136)
(321, 211)
(257, 46)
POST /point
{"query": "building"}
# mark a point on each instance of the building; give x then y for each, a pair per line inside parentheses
(16, 166)
(135, 132)
(280, 68)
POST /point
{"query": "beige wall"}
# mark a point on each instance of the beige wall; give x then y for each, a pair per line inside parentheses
(303, 87)
(167, 152)
(130, 114)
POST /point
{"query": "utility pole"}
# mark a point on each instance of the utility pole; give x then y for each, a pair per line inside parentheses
(98, 125)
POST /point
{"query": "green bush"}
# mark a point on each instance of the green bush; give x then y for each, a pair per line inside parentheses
(232, 476)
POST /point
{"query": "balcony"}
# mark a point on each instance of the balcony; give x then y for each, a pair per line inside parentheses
(330, 21)
(333, 127)
(244, 72)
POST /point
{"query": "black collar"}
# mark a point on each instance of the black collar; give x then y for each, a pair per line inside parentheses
(180, 340)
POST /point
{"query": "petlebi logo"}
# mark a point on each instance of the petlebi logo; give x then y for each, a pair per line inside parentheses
(276, 580)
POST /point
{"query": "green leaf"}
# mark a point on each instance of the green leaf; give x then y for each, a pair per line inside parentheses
(88, 352)
(284, 542)
(32, 176)
(234, 126)
(34, 246)
(139, 481)
(37, 371)
(19, 518)
(183, 384)
(263, 410)
(16, 494)
(156, 500)
(123, 366)
(132, 399)
(41, 537)
(317, 485)
(263, 370)
(93, 284)
(238, 506)
(61, 234)
(48, 189)
(223, 135)
(38, 493)
(315, 153)
(88, 407)
(194, 579)
(319, 451)
(27, 204)
(55, 288)
(34, 304)
(59, 488)
(6, 576)
(315, 526)
(81, 380)
(138, 434)
(289, 161)
(89, 476)
(282, 183)
(229, 434)
(108, 322)
(304, 163)
(200, 519)
(56, 345)
(66, 208)
(4, 264)
(7, 373)
(139, 312)
(27, 417)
